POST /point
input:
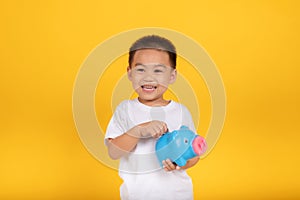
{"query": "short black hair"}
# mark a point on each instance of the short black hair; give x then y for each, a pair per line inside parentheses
(154, 42)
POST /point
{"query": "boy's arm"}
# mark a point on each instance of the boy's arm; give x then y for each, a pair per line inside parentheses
(190, 163)
(122, 144)
(126, 142)
(169, 165)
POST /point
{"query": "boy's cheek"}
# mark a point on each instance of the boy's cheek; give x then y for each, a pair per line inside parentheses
(135, 83)
(135, 86)
(163, 83)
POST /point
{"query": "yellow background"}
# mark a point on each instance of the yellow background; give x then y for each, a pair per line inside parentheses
(255, 45)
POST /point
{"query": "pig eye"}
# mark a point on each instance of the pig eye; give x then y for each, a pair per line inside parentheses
(186, 141)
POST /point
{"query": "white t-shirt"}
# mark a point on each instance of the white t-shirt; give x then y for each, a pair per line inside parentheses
(143, 177)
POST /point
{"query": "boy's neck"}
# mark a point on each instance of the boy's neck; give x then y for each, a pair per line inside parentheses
(154, 103)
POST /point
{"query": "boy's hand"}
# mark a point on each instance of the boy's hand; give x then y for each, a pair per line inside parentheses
(152, 129)
(169, 165)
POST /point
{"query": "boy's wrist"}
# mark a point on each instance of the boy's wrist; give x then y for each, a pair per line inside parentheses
(135, 132)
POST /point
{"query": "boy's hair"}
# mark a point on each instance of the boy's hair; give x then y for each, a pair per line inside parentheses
(154, 42)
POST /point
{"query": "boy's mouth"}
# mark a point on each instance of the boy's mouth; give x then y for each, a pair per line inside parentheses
(148, 88)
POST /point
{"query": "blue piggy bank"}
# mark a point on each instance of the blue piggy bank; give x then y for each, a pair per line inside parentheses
(179, 146)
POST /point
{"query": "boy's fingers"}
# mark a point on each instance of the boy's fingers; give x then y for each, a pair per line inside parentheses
(165, 128)
(168, 164)
(164, 165)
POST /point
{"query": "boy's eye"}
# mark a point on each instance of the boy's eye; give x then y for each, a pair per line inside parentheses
(140, 70)
(158, 71)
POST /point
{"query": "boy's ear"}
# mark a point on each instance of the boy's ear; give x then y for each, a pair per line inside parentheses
(129, 73)
(173, 76)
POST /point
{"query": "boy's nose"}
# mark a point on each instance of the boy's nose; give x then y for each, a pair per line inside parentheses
(149, 78)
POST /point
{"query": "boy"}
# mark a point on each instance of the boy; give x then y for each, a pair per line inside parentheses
(136, 124)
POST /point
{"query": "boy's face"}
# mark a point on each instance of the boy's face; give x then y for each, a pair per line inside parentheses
(150, 74)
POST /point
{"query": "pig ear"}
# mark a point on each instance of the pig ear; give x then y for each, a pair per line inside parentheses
(183, 127)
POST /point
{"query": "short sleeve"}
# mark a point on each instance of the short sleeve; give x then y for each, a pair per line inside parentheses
(187, 119)
(116, 125)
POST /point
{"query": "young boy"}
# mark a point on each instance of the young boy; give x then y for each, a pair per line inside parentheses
(136, 124)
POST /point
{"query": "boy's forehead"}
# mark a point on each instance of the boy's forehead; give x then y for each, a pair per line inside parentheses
(145, 56)
(150, 65)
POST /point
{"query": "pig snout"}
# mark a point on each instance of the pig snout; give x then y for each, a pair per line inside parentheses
(199, 145)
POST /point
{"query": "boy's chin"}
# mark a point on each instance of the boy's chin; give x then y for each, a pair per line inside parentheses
(147, 98)
(143, 98)
(153, 102)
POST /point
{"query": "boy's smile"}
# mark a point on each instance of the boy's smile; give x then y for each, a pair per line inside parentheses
(148, 88)
(150, 74)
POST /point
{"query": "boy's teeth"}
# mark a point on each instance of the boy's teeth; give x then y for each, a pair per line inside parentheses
(148, 87)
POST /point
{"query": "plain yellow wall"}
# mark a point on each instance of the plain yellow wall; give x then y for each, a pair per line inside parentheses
(255, 45)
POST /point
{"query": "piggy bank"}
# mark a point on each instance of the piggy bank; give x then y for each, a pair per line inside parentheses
(179, 146)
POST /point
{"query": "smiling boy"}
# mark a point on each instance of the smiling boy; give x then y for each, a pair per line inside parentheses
(136, 124)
